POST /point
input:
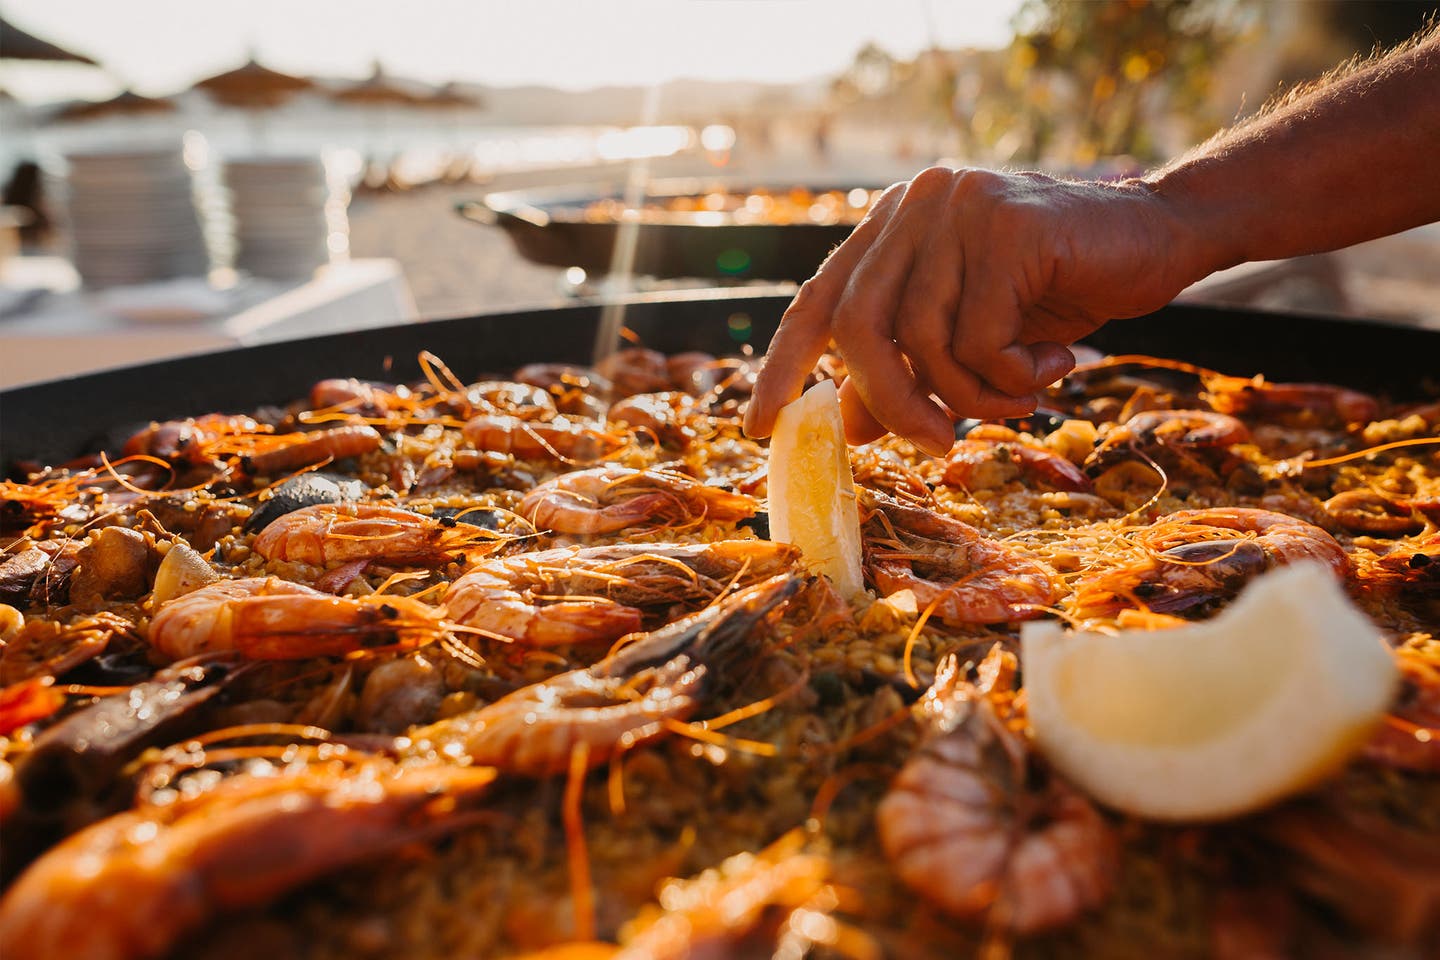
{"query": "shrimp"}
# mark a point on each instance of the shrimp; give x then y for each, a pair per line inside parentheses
(1183, 433)
(189, 440)
(607, 499)
(326, 534)
(266, 618)
(359, 396)
(559, 439)
(565, 377)
(524, 401)
(615, 705)
(45, 648)
(1369, 511)
(291, 451)
(675, 419)
(991, 456)
(499, 596)
(635, 370)
(963, 826)
(1410, 737)
(1199, 556)
(967, 578)
(132, 885)
(779, 899)
(1313, 402)
(693, 372)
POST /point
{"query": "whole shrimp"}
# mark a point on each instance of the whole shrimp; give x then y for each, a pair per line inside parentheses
(951, 567)
(619, 703)
(330, 533)
(190, 440)
(636, 370)
(131, 886)
(558, 439)
(501, 597)
(992, 455)
(1310, 402)
(963, 826)
(675, 419)
(291, 451)
(1184, 435)
(266, 618)
(607, 499)
(1198, 556)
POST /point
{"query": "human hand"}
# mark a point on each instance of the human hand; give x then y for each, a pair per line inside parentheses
(967, 286)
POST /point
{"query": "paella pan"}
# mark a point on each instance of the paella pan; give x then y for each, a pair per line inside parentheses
(435, 641)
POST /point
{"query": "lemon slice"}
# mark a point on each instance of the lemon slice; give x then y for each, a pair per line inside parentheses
(812, 493)
(1212, 719)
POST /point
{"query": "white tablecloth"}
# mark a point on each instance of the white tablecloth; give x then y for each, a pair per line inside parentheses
(57, 331)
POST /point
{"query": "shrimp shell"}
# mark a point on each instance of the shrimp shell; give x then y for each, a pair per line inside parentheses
(266, 618)
(132, 885)
(960, 828)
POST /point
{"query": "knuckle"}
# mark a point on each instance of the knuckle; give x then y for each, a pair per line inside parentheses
(932, 180)
(805, 297)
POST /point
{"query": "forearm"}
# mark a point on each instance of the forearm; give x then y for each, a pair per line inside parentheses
(1355, 159)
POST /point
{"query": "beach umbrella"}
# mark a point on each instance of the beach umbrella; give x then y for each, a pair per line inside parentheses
(450, 96)
(126, 104)
(378, 90)
(253, 87)
(16, 44)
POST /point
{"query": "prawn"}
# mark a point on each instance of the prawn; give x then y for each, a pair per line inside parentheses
(991, 456)
(564, 377)
(617, 704)
(952, 567)
(635, 370)
(291, 451)
(524, 401)
(132, 885)
(962, 826)
(499, 597)
(558, 439)
(607, 499)
(1372, 512)
(675, 419)
(190, 440)
(1321, 402)
(266, 618)
(1184, 434)
(1197, 556)
(332, 533)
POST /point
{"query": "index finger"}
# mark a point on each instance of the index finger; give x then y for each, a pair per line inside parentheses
(804, 330)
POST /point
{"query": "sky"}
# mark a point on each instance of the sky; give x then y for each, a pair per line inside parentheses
(159, 46)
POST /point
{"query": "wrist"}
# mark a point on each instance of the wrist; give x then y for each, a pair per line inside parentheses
(1198, 237)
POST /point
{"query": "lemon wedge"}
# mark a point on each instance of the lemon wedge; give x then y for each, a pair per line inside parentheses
(1212, 719)
(812, 492)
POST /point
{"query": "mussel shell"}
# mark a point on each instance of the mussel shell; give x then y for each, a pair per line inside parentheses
(306, 490)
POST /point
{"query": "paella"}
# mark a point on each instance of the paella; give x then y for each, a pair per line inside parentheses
(504, 664)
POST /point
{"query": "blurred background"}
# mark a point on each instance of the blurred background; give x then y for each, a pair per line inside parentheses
(179, 163)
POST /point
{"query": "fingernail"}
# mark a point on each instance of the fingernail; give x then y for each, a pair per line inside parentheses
(936, 446)
(749, 424)
(1052, 363)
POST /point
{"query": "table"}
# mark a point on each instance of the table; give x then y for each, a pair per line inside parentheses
(51, 329)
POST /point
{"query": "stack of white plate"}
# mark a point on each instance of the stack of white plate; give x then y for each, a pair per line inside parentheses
(132, 218)
(283, 214)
